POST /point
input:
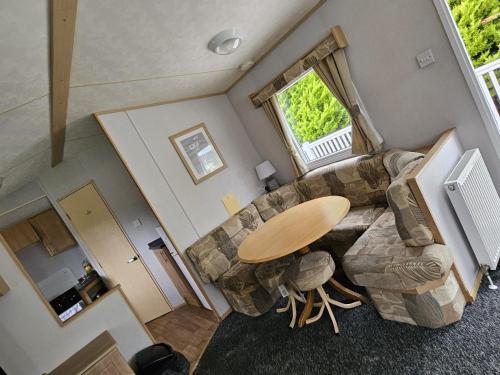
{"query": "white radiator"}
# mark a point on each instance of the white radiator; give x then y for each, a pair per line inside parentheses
(477, 205)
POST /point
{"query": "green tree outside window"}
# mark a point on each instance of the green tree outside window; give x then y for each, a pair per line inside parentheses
(479, 25)
(311, 110)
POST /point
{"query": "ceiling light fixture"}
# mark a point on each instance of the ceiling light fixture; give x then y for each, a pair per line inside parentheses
(225, 42)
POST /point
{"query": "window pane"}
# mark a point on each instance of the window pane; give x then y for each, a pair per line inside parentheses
(318, 122)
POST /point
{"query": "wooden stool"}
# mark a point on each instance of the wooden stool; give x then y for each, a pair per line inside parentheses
(293, 296)
(308, 274)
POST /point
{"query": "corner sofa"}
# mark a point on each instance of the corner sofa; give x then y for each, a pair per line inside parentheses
(383, 243)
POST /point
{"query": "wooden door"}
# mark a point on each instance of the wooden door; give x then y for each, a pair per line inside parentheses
(105, 238)
(175, 274)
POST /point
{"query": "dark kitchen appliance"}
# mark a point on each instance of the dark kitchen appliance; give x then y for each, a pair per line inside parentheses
(68, 304)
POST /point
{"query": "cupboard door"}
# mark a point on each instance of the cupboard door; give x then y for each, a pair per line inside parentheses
(103, 235)
(20, 235)
(55, 236)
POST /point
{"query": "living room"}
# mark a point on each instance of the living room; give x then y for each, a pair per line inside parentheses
(191, 134)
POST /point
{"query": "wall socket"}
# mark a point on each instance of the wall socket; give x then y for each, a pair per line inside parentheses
(425, 58)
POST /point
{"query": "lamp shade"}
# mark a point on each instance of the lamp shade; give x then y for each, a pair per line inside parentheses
(265, 170)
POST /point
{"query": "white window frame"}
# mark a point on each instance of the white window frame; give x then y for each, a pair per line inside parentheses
(338, 156)
(490, 118)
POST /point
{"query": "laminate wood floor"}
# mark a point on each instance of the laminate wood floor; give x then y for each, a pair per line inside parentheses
(187, 329)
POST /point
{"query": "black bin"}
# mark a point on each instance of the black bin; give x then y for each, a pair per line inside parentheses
(160, 359)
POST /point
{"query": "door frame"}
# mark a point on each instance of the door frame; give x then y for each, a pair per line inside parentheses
(457, 44)
(92, 182)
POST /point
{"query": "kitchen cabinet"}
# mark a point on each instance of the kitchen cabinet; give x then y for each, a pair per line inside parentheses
(20, 235)
(53, 232)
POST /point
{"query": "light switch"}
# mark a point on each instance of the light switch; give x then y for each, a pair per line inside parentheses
(137, 223)
(425, 58)
(231, 203)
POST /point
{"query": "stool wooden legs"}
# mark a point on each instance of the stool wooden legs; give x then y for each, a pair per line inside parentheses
(346, 292)
(293, 296)
(326, 302)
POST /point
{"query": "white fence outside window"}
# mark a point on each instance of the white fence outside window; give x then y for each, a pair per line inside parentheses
(334, 143)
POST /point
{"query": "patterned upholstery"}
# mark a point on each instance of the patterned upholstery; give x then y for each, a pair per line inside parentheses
(243, 291)
(380, 259)
(390, 254)
(409, 219)
(272, 274)
(436, 308)
(311, 270)
(382, 263)
(313, 187)
(395, 160)
(277, 201)
(363, 180)
(215, 253)
(345, 234)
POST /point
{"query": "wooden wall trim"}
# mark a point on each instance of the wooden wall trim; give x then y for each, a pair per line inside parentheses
(154, 104)
(277, 43)
(62, 32)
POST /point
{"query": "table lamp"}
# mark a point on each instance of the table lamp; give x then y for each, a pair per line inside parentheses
(265, 171)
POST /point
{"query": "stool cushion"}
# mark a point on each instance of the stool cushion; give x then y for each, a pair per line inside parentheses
(311, 270)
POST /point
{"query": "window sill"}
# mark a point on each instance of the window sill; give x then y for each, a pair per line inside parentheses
(338, 156)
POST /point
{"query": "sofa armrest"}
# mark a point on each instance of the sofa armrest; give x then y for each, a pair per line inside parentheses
(407, 272)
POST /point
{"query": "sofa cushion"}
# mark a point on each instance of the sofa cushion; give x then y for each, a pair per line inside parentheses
(277, 201)
(345, 234)
(272, 274)
(243, 291)
(213, 254)
(313, 187)
(238, 277)
(380, 259)
(395, 160)
(410, 221)
(363, 180)
(435, 308)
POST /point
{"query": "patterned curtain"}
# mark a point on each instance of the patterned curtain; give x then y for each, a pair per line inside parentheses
(299, 167)
(325, 48)
(334, 71)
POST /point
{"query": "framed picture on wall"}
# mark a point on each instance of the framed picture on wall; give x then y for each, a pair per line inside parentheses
(198, 152)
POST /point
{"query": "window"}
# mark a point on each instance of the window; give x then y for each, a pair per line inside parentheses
(319, 125)
(473, 27)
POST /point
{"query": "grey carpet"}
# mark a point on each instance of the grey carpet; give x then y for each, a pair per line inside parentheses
(366, 345)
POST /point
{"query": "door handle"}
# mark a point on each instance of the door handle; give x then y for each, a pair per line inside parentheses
(133, 259)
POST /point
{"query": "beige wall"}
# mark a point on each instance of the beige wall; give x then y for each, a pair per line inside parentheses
(409, 106)
(32, 342)
(189, 211)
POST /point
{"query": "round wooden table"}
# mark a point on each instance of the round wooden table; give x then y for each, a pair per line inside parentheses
(293, 231)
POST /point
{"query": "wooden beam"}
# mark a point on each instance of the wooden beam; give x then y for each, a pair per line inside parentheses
(62, 31)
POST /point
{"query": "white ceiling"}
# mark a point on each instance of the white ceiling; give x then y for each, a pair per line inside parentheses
(126, 52)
